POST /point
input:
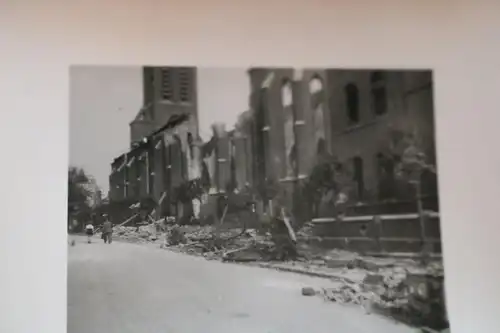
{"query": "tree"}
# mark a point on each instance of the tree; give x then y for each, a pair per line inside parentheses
(412, 163)
(78, 193)
(329, 176)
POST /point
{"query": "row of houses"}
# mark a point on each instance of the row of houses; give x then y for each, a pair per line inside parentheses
(296, 118)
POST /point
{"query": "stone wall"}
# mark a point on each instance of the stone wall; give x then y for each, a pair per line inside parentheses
(385, 234)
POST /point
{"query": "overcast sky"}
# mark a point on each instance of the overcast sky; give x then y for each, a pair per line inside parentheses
(103, 101)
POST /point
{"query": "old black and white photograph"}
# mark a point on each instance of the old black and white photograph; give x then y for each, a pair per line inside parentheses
(261, 199)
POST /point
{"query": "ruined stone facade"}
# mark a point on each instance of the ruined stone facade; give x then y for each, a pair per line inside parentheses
(295, 119)
(159, 160)
(368, 109)
(168, 91)
(352, 115)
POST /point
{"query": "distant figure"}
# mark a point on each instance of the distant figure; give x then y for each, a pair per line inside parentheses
(74, 224)
(89, 230)
(107, 231)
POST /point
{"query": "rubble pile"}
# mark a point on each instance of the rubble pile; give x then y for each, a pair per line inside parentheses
(404, 291)
(230, 239)
(214, 242)
(226, 245)
(141, 234)
(306, 231)
(384, 289)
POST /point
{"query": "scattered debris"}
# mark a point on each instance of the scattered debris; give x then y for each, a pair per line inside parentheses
(400, 288)
(409, 294)
(175, 237)
(308, 291)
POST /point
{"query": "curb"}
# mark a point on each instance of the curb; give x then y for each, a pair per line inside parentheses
(303, 272)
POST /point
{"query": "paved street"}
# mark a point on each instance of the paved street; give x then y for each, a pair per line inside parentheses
(126, 288)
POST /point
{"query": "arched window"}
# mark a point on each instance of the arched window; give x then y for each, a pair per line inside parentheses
(289, 121)
(379, 93)
(352, 102)
(286, 94)
(318, 108)
(315, 85)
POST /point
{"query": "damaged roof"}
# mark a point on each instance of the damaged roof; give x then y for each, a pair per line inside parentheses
(174, 121)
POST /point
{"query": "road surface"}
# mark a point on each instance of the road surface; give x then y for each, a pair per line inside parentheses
(127, 288)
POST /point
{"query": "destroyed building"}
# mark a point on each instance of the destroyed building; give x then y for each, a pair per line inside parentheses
(295, 118)
(165, 128)
(359, 117)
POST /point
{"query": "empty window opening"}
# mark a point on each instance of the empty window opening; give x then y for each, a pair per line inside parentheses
(316, 92)
(379, 93)
(352, 102)
(289, 130)
(318, 109)
(286, 94)
(315, 85)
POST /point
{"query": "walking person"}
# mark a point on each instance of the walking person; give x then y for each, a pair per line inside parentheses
(89, 230)
(107, 231)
